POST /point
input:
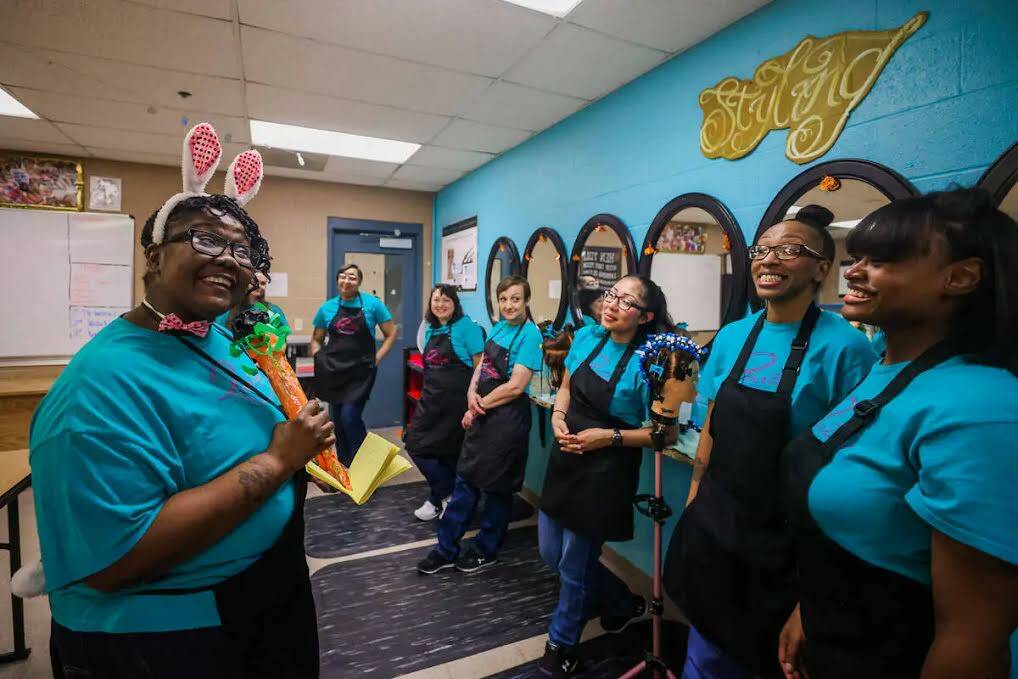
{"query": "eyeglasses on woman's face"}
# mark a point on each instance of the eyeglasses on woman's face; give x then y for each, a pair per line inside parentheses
(214, 245)
(784, 252)
(612, 296)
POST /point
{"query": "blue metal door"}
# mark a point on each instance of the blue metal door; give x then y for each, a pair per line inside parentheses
(389, 254)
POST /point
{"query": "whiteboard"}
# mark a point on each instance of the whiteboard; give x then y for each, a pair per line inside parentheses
(692, 286)
(64, 276)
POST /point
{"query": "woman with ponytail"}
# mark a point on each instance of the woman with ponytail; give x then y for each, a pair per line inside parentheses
(903, 497)
(594, 469)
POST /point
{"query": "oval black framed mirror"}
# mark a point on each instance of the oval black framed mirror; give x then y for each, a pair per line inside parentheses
(602, 253)
(503, 260)
(851, 189)
(696, 252)
(544, 266)
(1001, 180)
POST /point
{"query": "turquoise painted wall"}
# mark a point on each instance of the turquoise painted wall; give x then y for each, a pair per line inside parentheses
(944, 109)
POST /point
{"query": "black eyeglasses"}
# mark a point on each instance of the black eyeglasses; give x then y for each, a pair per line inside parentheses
(210, 244)
(783, 252)
(624, 302)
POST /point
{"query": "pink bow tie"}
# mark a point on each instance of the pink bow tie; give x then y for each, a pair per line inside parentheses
(172, 323)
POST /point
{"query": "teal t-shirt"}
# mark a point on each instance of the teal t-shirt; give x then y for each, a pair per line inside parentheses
(940, 455)
(632, 395)
(838, 358)
(526, 347)
(224, 318)
(375, 311)
(135, 418)
(466, 336)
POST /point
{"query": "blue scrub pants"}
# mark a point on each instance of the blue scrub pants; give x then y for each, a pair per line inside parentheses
(350, 429)
(454, 523)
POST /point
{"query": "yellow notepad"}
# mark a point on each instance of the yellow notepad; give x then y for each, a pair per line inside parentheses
(376, 462)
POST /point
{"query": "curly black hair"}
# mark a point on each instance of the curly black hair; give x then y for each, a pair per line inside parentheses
(217, 206)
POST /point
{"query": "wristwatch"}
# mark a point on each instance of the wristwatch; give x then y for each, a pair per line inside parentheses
(616, 438)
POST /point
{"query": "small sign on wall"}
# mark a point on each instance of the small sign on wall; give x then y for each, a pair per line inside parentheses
(104, 194)
(278, 286)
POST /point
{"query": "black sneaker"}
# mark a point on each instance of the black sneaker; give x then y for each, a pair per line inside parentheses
(473, 561)
(613, 624)
(559, 661)
(433, 563)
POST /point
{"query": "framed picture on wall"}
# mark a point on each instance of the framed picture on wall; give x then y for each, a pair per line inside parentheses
(459, 254)
(38, 182)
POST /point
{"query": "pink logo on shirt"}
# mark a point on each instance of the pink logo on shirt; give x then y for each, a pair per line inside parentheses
(345, 326)
(436, 359)
(826, 427)
(757, 374)
(488, 370)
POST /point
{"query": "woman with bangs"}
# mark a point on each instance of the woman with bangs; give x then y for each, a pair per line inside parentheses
(902, 497)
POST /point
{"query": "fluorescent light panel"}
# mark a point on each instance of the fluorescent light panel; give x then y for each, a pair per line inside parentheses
(295, 138)
(556, 8)
(9, 106)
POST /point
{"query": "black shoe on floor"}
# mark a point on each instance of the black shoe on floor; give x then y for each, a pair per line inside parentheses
(433, 563)
(613, 624)
(473, 561)
(559, 661)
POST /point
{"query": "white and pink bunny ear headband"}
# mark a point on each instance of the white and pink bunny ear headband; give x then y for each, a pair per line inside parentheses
(202, 153)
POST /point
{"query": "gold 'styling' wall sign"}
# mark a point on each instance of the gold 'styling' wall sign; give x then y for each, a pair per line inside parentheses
(810, 90)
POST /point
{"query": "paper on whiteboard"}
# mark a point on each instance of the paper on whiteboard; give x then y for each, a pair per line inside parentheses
(100, 285)
(555, 289)
(86, 322)
(101, 239)
(277, 287)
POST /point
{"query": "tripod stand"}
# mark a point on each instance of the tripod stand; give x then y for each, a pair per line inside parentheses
(654, 507)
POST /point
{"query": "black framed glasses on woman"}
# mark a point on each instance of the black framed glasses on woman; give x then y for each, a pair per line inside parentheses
(783, 252)
(213, 245)
(624, 302)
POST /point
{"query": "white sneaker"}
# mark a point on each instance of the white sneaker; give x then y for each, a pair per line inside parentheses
(428, 511)
(445, 505)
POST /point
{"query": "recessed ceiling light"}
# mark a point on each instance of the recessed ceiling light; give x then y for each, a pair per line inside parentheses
(295, 138)
(9, 106)
(556, 8)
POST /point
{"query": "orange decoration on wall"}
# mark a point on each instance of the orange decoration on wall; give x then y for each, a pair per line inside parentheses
(829, 183)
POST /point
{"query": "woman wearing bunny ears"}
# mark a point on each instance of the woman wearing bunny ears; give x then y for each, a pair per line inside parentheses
(168, 483)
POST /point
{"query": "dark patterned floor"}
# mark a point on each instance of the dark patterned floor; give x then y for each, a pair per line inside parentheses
(335, 526)
(379, 617)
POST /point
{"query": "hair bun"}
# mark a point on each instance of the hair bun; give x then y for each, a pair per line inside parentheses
(815, 215)
(962, 204)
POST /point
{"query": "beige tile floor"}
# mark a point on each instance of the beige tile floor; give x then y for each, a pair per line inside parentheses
(37, 616)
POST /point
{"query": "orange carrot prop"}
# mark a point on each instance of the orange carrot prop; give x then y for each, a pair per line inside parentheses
(263, 337)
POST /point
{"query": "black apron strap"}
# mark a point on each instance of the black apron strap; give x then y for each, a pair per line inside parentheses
(865, 411)
(747, 349)
(795, 357)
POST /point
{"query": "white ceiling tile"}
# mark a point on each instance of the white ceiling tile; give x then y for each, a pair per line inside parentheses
(669, 25)
(512, 105)
(426, 175)
(136, 157)
(31, 130)
(126, 116)
(217, 9)
(583, 64)
(279, 105)
(277, 59)
(337, 165)
(466, 134)
(478, 36)
(322, 177)
(427, 187)
(125, 31)
(139, 142)
(56, 148)
(94, 77)
(449, 159)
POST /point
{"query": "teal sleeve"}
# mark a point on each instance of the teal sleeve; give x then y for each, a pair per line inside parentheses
(715, 370)
(966, 487)
(852, 367)
(580, 348)
(473, 338)
(382, 313)
(529, 353)
(95, 497)
(320, 321)
(279, 311)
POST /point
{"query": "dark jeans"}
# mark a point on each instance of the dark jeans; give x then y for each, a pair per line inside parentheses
(194, 654)
(350, 429)
(454, 523)
(440, 473)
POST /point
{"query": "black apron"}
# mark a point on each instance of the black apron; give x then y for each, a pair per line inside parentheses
(435, 429)
(494, 456)
(860, 620)
(592, 494)
(730, 564)
(345, 367)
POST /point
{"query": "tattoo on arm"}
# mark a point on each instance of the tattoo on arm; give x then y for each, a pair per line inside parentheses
(255, 480)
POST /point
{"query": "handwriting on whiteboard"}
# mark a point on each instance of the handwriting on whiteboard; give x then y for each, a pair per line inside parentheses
(86, 322)
(100, 285)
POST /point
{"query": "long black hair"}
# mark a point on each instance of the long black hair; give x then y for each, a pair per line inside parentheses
(986, 325)
(450, 292)
(217, 206)
(654, 301)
